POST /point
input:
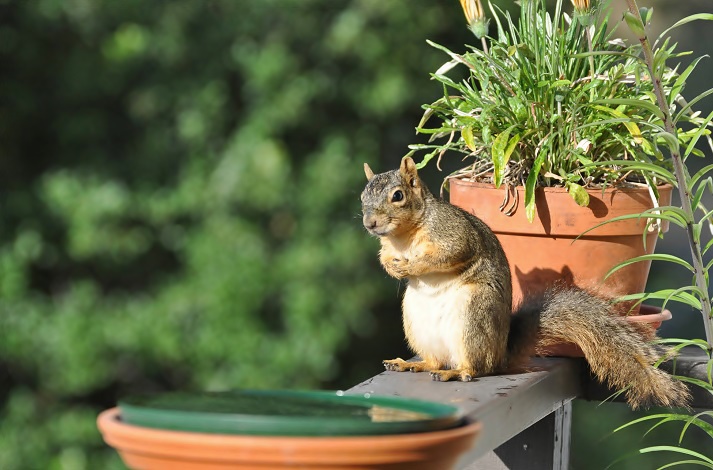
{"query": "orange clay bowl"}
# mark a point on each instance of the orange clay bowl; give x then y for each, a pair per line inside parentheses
(150, 449)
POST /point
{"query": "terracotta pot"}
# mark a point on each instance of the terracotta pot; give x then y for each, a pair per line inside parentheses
(548, 250)
(649, 321)
(149, 449)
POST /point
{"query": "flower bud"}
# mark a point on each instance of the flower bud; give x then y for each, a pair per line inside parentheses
(583, 12)
(582, 6)
(475, 15)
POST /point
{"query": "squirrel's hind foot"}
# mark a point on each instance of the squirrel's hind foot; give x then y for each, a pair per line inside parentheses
(464, 375)
(399, 365)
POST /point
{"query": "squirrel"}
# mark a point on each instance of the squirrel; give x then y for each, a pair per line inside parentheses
(457, 306)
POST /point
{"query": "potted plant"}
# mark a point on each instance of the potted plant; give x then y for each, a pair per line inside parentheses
(559, 125)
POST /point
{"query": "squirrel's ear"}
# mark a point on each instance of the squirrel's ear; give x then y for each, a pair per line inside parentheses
(367, 171)
(409, 172)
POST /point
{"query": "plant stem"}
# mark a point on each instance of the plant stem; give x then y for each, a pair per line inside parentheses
(588, 34)
(485, 44)
(683, 190)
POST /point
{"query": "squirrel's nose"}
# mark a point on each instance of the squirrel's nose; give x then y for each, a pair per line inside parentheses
(369, 221)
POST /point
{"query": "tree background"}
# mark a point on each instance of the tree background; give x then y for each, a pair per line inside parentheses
(179, 203)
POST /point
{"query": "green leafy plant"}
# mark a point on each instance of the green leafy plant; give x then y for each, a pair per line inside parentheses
(699, 421)
(692, 217)
(170, 220)
(552, 100)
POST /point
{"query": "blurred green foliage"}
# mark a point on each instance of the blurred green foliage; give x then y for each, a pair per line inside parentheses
(179, 203)
(179, 200)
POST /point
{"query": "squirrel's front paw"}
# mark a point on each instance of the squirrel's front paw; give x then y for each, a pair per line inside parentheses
(399, 365)
(396, 365)
(396, 267)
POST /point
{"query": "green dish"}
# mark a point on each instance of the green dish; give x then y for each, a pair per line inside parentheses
(287, 413)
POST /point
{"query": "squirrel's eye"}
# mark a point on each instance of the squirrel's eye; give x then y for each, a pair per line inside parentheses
(397, 196)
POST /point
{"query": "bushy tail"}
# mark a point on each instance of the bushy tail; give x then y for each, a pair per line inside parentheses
(617, 352)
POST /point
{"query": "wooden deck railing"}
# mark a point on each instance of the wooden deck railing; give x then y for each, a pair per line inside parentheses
(526, 417)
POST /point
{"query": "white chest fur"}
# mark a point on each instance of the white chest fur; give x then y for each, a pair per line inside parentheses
(434, 310)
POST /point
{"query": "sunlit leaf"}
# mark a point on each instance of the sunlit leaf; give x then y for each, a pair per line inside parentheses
(643, 166)
(665, 294)
(498, 155)
(467, 134)
(680, 450)
(579, 194)
(530, 187)
(445, 68)
(630, 125)
(646, 105)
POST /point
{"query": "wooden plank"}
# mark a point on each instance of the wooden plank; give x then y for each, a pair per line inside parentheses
(542, 446)
(506, 404)
(563, 435)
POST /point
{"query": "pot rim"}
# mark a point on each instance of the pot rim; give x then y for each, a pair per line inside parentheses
(650, 314)
(180, 446)
(115, 431)
(558, 189)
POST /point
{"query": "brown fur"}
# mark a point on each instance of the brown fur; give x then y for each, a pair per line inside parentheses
(457, 305)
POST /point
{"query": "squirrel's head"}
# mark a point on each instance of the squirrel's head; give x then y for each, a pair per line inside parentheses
(393, 202)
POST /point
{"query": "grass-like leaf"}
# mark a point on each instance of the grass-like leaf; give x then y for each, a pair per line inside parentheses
(694, 420)
(686, 20)
(648, 214)
(661, 172)
(691, 380)
(699, 174)
(651, 257)
(685, 109)
(644, 419)
(702, 128)
(676, 294)
(684, 342)
(666, 295)
(681, 80)
(642, 104)
(679, 450)
(684, 462)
